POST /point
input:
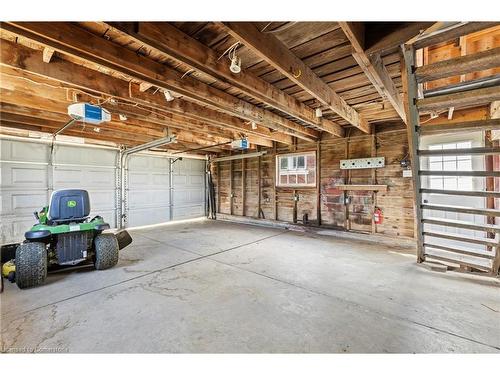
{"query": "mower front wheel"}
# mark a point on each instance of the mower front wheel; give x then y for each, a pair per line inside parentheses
(31, 264)
(106, 251)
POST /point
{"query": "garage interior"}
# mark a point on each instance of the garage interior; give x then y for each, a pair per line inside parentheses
(290, 187)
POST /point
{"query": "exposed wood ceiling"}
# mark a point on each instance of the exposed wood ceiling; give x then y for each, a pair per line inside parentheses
(351, 71)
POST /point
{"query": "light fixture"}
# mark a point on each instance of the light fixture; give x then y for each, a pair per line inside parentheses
(122, 117)
(168, 95)
(319, 112)
(235, 66)
(254, 125)
(97, 130)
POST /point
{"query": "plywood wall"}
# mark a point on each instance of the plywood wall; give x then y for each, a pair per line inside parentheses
(278, 203)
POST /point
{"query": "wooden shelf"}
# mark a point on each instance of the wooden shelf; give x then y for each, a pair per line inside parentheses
(362, 187)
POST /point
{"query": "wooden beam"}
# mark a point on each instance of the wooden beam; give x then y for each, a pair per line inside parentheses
(373, 67)
(169, 40)
(74, 41)
(393, 40)
(47, 54)
(459, 65)
(144, 86)
(275, 53)
(460, 99)
(438, 36)
(29, 60)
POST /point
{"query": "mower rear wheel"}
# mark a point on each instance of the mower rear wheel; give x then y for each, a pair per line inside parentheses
(106, 251)
(31, 264)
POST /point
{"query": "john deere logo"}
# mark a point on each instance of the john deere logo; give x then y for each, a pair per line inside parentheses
(71, 203)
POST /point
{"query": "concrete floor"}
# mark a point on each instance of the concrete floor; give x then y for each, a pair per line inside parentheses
(210, 286)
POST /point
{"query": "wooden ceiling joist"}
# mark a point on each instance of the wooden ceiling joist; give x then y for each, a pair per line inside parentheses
(275, 53)
(81, 44)
(29, 60)
(373, 66)
(172, 42)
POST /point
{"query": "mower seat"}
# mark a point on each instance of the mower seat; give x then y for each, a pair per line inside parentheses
(71, 205)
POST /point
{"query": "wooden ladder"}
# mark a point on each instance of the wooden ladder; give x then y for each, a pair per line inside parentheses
(457, 249)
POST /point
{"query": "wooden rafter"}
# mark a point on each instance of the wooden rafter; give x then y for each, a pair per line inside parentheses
(29, 60)
(79, 43)
(275, 53)
(169, 40)
(373, 66)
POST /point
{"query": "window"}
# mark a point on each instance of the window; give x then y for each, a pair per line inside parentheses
(296, 170)
(450, 163)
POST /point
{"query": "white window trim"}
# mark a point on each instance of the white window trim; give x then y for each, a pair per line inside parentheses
(305, 185)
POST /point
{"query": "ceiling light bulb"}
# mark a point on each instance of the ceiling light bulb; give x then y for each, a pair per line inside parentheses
(319, 112)
(254, 125)
(97, 130)
(168, 95)
(122, 117)
(235, 65)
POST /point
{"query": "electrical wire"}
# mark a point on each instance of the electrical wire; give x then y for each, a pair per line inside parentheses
(231, 51)
(278, 29)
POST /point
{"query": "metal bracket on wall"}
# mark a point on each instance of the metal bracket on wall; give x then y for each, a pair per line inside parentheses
(363, 163)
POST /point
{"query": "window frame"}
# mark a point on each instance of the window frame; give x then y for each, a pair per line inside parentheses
(433, 160)
(305, 154)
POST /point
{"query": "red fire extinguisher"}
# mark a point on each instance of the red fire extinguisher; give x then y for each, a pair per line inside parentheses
(378, 217)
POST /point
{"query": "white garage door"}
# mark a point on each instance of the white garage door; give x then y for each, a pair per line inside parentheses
(26, 180)
(23, 186)
(91, 169)
(189, 188)
(149, 189)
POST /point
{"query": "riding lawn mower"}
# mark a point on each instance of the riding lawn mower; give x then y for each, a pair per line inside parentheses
(64, 236)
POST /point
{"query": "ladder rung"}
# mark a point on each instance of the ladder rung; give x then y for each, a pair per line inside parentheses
(469, 193)
(466, 126)
(461, 209)
(461, 262)
(460, 251)
(461, 173)
(459, 65)
(461, 151)
(463, 238)
(462, 224)
(460, 99)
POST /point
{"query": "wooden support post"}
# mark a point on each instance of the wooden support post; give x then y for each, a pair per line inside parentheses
(231, 193)
(218, 188)
(374, 178)
(243, 176)
(259, 185)
(347, 182)
(410, 90)
(274, 183)
(318, 181)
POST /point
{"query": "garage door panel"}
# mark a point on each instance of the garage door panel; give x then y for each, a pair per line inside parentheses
(85, 156)
(148, 216)
(11, 150)
(140, 198)
(23, 175)
(81, 177)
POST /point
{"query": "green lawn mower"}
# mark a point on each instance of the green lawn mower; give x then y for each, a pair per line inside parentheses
(63, 236)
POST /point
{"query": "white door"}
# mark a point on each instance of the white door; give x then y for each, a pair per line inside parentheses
(453, 163)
